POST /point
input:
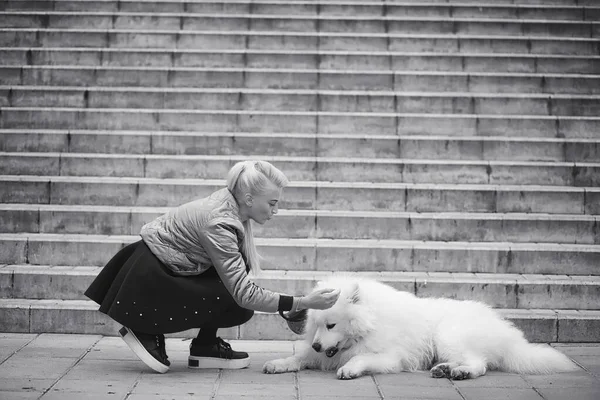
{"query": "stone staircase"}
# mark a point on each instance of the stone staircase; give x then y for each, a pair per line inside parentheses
(449, 148)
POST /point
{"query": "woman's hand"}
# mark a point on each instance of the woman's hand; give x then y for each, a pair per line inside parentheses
(320, 299)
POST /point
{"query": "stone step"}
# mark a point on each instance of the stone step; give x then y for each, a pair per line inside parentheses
(304, 59)
(328, 169)
(301, 23)
(81, 316)
(562, 9)
(350, 196)
(301, 145)
(322, 224)
(240, 40)
(500, 291)
(356, 101)
(369, 123)
(273, 78)
(339, 255)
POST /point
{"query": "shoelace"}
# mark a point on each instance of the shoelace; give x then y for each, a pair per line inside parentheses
(224, 348)
(160, 344)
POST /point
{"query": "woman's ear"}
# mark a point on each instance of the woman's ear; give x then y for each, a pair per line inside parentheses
(248, 199)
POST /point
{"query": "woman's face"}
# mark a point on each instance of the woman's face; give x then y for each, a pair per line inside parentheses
(265, 204)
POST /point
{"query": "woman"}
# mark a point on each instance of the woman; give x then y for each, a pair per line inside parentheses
(190, 270)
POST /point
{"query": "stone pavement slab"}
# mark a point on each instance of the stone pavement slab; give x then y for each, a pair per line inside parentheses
(57, 366)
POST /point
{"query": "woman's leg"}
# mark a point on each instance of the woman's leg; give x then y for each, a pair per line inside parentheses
(209, 351)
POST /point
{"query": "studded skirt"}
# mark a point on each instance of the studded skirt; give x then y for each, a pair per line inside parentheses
(140, 292)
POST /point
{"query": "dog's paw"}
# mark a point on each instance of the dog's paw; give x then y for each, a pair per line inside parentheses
(348, 372)
(440, 371)
(459, 374)
(278, 367)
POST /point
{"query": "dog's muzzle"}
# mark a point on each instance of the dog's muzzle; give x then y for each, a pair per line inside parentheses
(332, 351)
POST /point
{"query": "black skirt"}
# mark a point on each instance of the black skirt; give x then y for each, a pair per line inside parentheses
(140, 292)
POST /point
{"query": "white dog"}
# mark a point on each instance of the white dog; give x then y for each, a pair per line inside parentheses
(374, 328)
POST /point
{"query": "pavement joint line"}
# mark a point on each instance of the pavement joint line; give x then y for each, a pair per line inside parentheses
(133, 386)
(216, 385)
(462, 396)
(538, 392)
(581, 366)
(72, 366)
(297, 386)
(19, 349)
(377, 387)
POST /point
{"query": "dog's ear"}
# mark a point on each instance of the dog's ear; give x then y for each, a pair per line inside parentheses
(354, 294)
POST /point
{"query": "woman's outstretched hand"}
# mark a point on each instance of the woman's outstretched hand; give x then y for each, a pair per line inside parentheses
(321, 299)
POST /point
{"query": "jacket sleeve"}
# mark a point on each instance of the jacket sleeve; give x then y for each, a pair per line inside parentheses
(220, 242)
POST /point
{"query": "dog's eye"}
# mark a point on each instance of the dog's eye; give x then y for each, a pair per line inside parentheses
(330, 326)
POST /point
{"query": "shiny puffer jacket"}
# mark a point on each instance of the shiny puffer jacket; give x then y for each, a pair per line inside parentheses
(203, 233)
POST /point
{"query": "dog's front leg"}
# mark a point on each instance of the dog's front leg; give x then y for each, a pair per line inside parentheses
(305, 358)
(281, 365)
(368, 363)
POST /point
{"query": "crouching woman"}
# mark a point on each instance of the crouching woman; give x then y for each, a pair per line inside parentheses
(191, 270)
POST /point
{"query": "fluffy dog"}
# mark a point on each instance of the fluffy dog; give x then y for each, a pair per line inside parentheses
(374, 328)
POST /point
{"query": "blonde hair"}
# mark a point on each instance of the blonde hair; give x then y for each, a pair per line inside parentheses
(252, 177)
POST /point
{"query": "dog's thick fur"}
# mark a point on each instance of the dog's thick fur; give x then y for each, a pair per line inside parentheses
(374, 328)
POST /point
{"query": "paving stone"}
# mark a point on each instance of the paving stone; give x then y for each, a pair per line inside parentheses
(585, 393)
(22, 367)
(10, 345)
(421, 392)
(59, 346)
(494, 379)
(26, 385)
(315, 383)
(172, 388)
(473, 393)
(117, 372)
(60, 395)
(418, 378)
(254, 390)
(92, 386)
(147, 396)
(20, 395)
(577, 379)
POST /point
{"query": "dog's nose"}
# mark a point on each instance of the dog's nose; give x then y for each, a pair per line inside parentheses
(317, 346)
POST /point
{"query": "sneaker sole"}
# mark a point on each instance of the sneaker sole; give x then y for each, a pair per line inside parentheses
(139, 350)
(217, 363)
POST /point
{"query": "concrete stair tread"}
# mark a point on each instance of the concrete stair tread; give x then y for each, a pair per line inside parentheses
(81, 316)
(309, 113)
(317, 213)
(319, 34)
(305, 52)
(333, 254)
(300, 71)
(90, 305)
(362, 3)
(299, 159)
(304, 184)
(312, 242)
(324, 224)
(297, 135)
(321, 92)
(386, 276)
(291, 17)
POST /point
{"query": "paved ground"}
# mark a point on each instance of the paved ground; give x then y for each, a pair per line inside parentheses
(50, 366)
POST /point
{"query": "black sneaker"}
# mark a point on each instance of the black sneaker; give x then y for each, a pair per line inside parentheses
(149, 348)
(216, 355)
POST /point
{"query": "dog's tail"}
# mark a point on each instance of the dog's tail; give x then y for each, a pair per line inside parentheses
(528, 358)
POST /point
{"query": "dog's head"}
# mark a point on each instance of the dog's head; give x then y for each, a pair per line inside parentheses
(342, 325)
